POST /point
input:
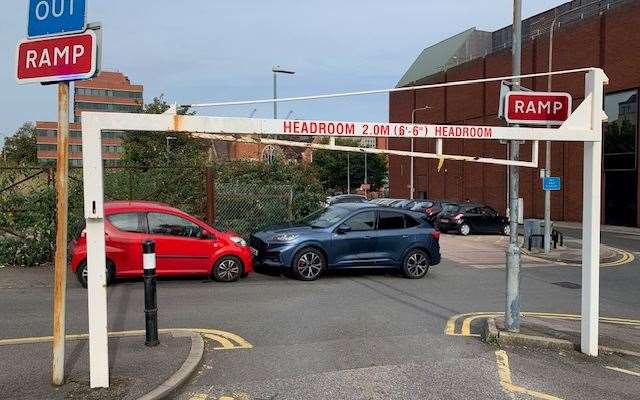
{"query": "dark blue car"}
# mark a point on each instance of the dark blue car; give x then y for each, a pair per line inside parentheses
(350, 235)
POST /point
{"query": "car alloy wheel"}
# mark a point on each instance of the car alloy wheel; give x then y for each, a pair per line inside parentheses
(416, 264)
(465, 229)
(308, 265)
(227, 269)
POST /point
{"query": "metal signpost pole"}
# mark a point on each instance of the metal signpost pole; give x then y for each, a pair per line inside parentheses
(60, 265)
(275, 93)
(512, 309)
(348, 175)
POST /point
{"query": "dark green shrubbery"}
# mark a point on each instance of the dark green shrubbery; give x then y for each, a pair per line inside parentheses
(250, 196)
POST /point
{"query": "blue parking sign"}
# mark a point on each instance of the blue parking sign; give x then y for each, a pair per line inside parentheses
(551, 183)
(56, 17)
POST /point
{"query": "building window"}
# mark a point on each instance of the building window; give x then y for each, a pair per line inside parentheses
(621, 131)
(75, 163)
(108, 93)
(112, 134)
(54, 133)
(75, 148)
(107, 107)
(46, 147)
(112, 149)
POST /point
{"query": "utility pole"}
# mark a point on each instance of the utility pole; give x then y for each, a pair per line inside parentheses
(547, 157)
(365, 174)
(411, 180)
(60, 262)
(512, 309)
(348, 174)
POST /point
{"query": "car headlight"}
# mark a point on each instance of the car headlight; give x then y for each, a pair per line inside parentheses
(285, 237)
(239, 241)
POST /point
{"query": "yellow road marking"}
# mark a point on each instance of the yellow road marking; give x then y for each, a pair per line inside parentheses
(624, 371)
(504, 373)
(199, 396)
(227, 340)
(468, 318)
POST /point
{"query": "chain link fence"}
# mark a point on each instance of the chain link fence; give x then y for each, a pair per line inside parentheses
(28, 204)
(247, 208)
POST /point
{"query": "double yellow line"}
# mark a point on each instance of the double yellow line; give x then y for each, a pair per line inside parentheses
(468, 318)
(226, 340)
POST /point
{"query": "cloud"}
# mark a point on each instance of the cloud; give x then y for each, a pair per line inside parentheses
(204, 50)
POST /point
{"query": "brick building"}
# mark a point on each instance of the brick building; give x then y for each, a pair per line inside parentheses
(605, 35)
(109, 91)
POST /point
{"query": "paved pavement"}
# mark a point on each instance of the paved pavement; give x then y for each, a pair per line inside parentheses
(361, 334)
(135, 369)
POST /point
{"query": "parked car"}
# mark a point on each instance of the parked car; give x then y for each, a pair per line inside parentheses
(404, 204)
(473, 218)
(346, 198)
(385, 202)
(422, 206)
(438, 207)
(350, 235)
(184, 244)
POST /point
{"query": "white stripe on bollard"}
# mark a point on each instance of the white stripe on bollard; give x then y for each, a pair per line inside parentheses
(149, 261)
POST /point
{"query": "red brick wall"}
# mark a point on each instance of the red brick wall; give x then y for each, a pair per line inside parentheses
(610, 41)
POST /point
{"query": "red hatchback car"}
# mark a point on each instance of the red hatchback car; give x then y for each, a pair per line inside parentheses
(184, 245)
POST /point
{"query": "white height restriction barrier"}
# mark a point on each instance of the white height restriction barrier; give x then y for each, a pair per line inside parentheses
(584, 125)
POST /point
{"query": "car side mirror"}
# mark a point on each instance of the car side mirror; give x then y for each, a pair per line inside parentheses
(344, 228)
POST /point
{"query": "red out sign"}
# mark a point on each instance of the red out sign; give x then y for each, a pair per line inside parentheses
(537, 108)
(61, 58)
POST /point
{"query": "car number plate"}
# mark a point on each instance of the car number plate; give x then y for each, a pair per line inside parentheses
(254, 251)
(444, 220)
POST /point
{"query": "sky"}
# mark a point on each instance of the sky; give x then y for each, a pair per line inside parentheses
(214, 50)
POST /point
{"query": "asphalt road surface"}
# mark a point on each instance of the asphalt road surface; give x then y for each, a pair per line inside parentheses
(357, 335)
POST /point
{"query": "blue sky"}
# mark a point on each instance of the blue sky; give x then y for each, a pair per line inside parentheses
(214, 50)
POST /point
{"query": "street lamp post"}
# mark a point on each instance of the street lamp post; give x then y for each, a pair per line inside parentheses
(547, 155)
(277, 70)
(411, 181)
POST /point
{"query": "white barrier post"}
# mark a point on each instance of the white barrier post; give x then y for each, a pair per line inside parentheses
(594, 82)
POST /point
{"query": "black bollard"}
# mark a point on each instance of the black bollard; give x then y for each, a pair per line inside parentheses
(150, 298)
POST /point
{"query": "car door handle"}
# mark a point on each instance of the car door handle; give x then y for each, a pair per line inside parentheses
(367, 237)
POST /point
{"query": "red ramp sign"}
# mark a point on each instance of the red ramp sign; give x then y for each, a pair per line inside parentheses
(537, 108)
(61, 58)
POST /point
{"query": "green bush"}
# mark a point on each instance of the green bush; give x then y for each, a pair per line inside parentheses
(250, 196)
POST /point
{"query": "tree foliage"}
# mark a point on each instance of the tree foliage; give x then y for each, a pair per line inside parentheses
(150, 149)
(332, 168)
(20, 148)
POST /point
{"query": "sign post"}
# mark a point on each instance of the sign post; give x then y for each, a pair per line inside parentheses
(59, 49)
(60, 262)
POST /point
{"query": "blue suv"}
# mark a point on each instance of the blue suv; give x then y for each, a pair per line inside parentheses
(350, 235)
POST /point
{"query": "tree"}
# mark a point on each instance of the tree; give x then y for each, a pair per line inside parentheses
(159, 149)
(20, 148)
(332, 168)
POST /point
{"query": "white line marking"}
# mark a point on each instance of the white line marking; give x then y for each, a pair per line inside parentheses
(624, 371)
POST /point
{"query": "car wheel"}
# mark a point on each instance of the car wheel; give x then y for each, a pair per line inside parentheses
(227, 269)
(464, 229)
(308, 264)
(416, 264)
(506, 230)
(83, 275)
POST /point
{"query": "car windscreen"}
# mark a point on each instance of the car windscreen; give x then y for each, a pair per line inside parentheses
(326, 217)
(422, 205)
(448, 208)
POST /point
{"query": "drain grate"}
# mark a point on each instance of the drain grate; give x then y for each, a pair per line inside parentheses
(568, 285)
